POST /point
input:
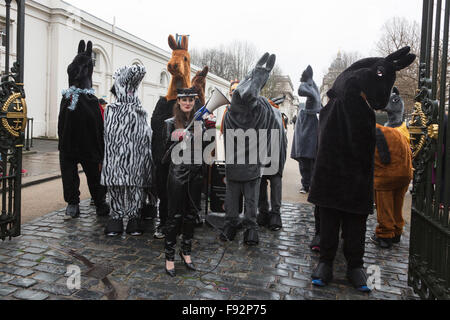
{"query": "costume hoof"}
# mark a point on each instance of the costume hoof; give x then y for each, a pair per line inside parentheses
(318, 283)
(275, 223)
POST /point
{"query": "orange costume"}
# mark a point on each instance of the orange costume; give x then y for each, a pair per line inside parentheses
(392, 178)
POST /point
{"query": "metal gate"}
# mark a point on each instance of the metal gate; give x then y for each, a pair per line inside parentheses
(429, 263)
(13, 120)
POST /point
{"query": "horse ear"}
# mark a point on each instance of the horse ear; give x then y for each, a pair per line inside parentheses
(205, 71)
(263, 59)
(81, 46)
(307, 74)
(271, 62)
(185, 43)
(404, 62)
(398, 54)
(395, 91)
(89, 48)
(172, 43)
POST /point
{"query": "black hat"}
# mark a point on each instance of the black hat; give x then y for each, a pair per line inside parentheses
(188, 92)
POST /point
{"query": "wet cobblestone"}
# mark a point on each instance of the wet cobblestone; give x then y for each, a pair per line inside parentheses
(33, 266)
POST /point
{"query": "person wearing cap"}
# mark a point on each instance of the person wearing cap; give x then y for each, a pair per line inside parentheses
(184, 181)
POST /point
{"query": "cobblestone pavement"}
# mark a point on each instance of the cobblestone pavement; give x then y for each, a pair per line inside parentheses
(31, 267)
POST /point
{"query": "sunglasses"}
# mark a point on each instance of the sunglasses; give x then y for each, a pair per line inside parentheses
(187, 99)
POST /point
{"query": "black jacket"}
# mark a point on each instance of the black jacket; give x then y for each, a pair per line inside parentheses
(81, 131)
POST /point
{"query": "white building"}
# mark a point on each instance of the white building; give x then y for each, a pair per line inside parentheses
(284, 87)
(53, 29)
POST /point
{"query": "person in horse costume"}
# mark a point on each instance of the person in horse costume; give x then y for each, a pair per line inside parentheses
(248, 112)
(127, 165)
(272, 218)
(80, 131)
(179, 67)
(304, 144)
(343, 178)
(393, 173)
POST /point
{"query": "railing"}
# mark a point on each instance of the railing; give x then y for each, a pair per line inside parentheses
(429, 261)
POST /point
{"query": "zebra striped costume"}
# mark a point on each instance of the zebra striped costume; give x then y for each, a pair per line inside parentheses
(128, 161)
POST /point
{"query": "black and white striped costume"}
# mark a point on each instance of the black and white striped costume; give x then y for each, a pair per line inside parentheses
(128, 161)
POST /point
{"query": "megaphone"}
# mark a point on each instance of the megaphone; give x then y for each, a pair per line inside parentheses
(216, 100)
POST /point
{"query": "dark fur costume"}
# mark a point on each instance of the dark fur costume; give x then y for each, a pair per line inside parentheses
(343, 174)
(343, 181)
(80, 130)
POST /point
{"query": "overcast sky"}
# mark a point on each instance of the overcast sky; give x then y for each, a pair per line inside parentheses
(299, 32)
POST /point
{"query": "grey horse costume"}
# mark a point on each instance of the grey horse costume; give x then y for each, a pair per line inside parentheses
(250, 112)
(272, 218)
(128, 161)
(304, 145)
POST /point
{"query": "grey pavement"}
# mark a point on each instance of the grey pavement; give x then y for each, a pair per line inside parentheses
(33, 266)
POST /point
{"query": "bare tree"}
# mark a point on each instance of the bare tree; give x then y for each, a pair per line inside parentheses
(232, 61)
(396, 34)
(272, 88)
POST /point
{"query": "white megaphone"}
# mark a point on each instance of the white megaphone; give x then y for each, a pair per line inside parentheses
(216, 100)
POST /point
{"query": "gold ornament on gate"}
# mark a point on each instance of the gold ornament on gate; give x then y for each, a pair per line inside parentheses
(15, 108)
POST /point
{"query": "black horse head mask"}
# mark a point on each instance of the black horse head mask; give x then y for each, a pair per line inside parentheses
(249, 89)
(81, 69)
(374, 77)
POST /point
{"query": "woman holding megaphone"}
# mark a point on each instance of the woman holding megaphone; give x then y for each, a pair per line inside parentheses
(184, 182)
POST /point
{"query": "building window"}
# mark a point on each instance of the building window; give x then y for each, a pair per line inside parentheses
(94, 58)
(163, 80)
(3, 35)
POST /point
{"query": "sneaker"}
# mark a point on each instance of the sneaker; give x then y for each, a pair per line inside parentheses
(73, 210)
(134, 227)
(303, 190)
(114, 227)
(158, 233)
(384, 243)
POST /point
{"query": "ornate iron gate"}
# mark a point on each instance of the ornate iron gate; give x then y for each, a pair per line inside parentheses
(429, 265)
(13, 120)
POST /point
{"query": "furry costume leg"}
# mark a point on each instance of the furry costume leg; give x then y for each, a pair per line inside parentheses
(263, 204)
(125, 201)
(306, 170)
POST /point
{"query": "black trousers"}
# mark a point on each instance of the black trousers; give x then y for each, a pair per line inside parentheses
(275, 194)
(182, 212)
(354, 234)
(162, 171)
(250, 190)
(306, 167)
(71, 180)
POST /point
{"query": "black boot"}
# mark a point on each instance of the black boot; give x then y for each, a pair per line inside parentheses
(263, 219)
(102, 210)
(358, 279)
(149, 212)
(114, 227)
(228, 233)
(315, 244)
(275, 223)
(322, 275)
(73, 210)
(134, 227)
(251, 237)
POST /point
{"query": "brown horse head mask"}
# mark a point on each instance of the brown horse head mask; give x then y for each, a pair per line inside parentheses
(199, 83)
(179, 66)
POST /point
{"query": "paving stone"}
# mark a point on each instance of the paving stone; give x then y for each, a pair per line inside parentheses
(46, 277)
(16, 271)
(6, 290)
(6, 278)
(57, 289)
(30, 295)
(33, 257)
(50, 268)
(211, 295)
(146, 294)
(294, 283)
(25, 263)
(263, 295)
(23, 282)
(88, 295)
